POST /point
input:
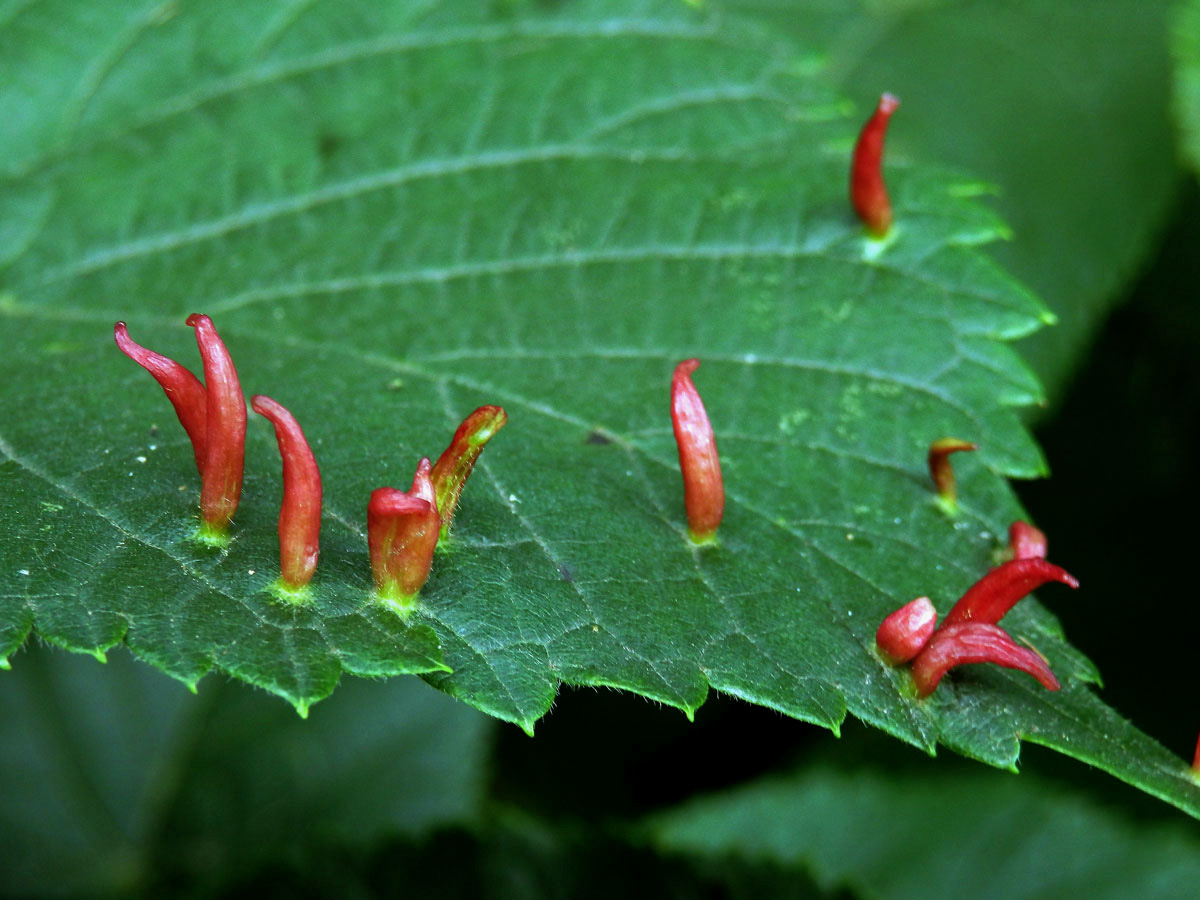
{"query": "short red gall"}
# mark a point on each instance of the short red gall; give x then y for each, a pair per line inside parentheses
(402, 533)
(868, 193)
(905, 632)
(942, 472)
(300, 511)
(1026, 542)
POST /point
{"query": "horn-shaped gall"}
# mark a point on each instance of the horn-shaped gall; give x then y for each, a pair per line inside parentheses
(942, 472)
(905, 632)
(402, 533)
(300, 511)
(182, 388)
(993, 595)
(454, 466)
(868, 193)
(975, 642)
(213, 414)
(703, 488)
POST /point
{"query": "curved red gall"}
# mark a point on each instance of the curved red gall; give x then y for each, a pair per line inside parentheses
(975, 642)
(457, 461)
(300, 511)
(999, 590)
(182, 388)
(703, 486)
(868, 193)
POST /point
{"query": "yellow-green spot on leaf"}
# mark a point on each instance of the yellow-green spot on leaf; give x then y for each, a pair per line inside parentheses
(789, 422)
(59, 348)
(968, 189)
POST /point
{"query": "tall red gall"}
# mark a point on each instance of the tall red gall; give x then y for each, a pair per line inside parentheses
(1196, 759)
(213, 414)
(402, 533)
(868, 193)
(703, 488)
(225, 432)
(942, 472)
(300, 512)
(1026, 542)
(998, 591)
(454, 466)
(975, 642)
(905, 632)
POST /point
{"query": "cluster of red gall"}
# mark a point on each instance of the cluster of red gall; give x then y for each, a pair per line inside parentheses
(969, 633)
(403, 528)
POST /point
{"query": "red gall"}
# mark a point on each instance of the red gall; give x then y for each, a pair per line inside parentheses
(300, 511)
(868, 193)
(703, 488)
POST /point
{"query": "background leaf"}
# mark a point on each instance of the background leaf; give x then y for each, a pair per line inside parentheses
(116, 778)
(935, 835)
(1186, 47)
(397, 214)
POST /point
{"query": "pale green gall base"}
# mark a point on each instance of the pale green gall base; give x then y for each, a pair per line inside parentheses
(209, 535)
(292, 596)
(399, 603)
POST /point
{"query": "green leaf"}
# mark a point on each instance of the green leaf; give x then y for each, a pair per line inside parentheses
(398, 213)
(1081, 155)
(116, 777)
(926, 836)
(1186, 47)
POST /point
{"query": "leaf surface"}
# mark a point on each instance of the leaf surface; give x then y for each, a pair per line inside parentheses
(398, 213)
(1080, 155)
